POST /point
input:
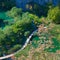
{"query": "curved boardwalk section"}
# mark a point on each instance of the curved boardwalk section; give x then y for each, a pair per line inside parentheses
(27, 41)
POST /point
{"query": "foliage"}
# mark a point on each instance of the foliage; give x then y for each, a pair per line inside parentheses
(15, 12)
(42, 45)
(2, 36)
(24, 52)
(54, 15)
(27, 33)
(14, 48)
(55, 31)
(17, 30)
(16, 33)
(36, 19)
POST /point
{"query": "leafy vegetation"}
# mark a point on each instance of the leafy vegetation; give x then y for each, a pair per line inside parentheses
(16, 25)
(17, 30)
(44, 44)
(54, 15)
(46, 41)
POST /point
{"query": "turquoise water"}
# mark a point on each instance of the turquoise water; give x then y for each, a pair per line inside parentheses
(5, 19)
(4, 16)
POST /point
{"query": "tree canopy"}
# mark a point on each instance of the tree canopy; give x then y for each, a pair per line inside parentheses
(54, 15)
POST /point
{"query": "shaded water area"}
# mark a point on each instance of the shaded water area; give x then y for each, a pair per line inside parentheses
(4, 16)
(4, 19)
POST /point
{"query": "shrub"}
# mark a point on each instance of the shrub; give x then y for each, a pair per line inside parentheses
(14, 12)
(54, 15)
(27, 33)
(15, 48)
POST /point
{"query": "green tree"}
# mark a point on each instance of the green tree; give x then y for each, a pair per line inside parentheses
(15, 12)
(2, 37)
(54, 15)
(27, 33)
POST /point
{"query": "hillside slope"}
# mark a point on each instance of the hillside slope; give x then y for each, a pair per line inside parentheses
(44, 45)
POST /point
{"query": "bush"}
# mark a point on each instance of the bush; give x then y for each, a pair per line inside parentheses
(54, 15)
(27, 33)
(15, 12)
(15, 48)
